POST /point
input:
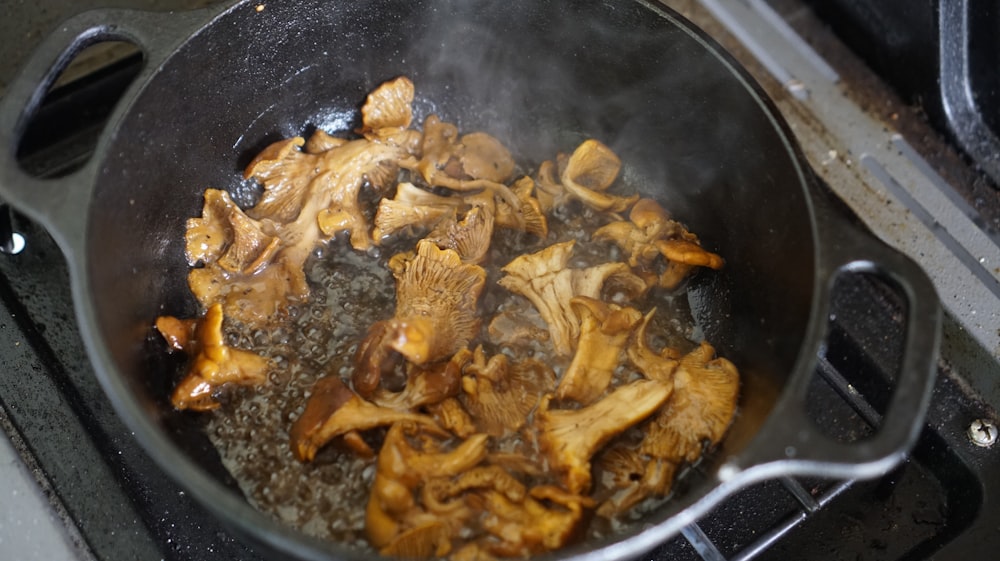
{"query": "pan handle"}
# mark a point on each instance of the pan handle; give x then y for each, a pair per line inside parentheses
(792, 443)
(59, 204)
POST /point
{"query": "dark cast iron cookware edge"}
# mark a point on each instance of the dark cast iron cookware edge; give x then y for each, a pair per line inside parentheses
(692, 128)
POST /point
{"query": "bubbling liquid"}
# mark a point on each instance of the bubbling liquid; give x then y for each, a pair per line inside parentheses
(350, 292)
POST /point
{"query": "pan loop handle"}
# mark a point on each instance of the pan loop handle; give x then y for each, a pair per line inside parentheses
(59, 204)
(794, 444)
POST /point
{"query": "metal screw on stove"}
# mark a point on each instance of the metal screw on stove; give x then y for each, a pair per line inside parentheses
(10, 241)
(983, 433)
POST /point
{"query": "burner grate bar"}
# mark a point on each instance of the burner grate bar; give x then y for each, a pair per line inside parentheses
(847, 391)
(808, 502)
(702, 543)
(776, 533)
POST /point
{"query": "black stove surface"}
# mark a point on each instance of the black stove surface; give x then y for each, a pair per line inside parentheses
(939, 504)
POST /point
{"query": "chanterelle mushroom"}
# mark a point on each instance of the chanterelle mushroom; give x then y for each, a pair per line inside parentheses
(500, 395)
(389, 106)
(412, 209)
(472, 161)
(387, 113)
(470, 236)
(650, 233)
(585, 175)
(655, 366)
(604, 330)
(314, 196)
(426, 385)
(213, 363)
(700, 410)
(334, 410)
(544, 279)
(436, 296)
(236, 254)
(227, 236)
(253, 261)
(546, 520)
(393, 512)
(570, 437)
(632, 477)
(529, 216)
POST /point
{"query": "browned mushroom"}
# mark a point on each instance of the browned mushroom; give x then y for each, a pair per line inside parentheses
(546, 520)
(653, 365)
(604, 331)
(439, 490)
(699, 411)
(450, 414)
(650, 233)
(225, 235)
(589, 172)
(632, 478)
(213, 363)
(550, 193)
(389, 106)
(529, 216)
(253, 262)
(320, 141)
(393, 509)
(689, 253)
(412, 209)
(471, 164)
(500, 395)
(426, 385)
(233, 250)
(647, 223)
(570, 437)
(546, 281)
(471, 161)
(470, 237)
(436, 297)
(333, 410)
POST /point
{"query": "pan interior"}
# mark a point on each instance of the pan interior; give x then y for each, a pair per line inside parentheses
(540, 76)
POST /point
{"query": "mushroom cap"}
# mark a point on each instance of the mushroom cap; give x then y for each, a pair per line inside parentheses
(412, 208)
(425, 385)
(700, 410)
(320, 141)
(529, 217)
(470, 236)
(484, 157)
(689, 253)
(499, 395)
(334, 410)
(569, 438)
(604, 331)
(435, 316)
(590, 170)
(437, 288)
(285, 173)
(213, 363)
(544, 279)
(653, 365)
(389, 106)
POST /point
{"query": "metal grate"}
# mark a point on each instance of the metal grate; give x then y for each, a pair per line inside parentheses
(808, 504)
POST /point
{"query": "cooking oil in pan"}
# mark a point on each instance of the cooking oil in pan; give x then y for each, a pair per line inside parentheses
(350, 292)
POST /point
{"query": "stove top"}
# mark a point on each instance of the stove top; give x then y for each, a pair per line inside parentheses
(109, 501)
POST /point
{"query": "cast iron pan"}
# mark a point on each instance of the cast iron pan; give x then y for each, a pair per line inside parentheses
(693, 130)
